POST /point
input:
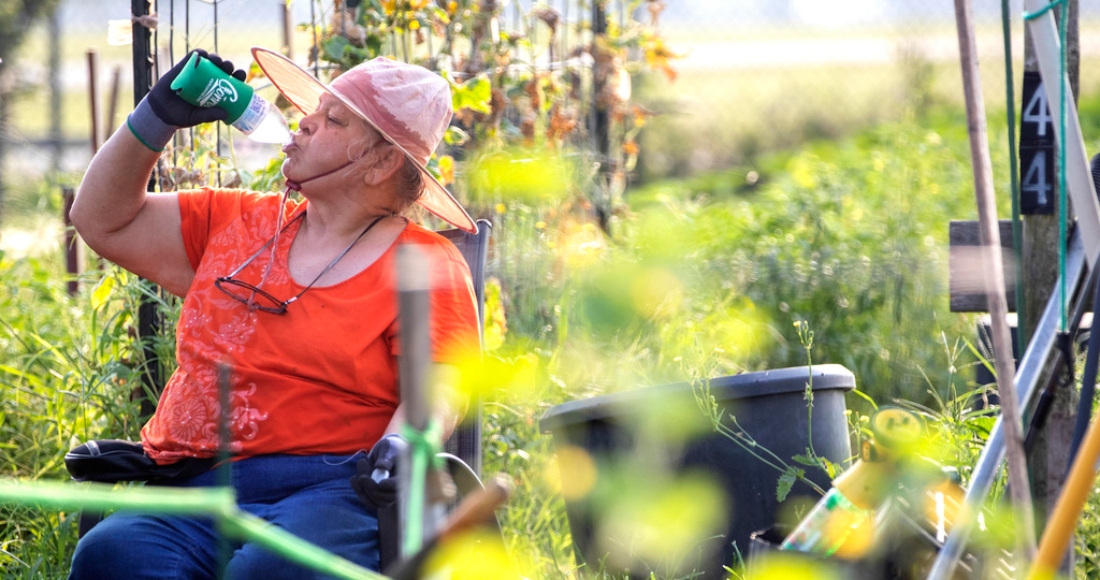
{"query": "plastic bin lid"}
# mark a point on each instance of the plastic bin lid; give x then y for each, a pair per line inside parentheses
(742, 386)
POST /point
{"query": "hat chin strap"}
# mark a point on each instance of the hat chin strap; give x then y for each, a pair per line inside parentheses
(297, 185)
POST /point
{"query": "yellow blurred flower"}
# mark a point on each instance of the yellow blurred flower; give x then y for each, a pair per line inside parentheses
(505, 378)
(582, 247)
(803, 169)
(496, 321)
(659, 56)
(533, 176)
(446, 169)
(780, 565)
(576, 472)
(665, 524)
(475, 554)
(656, 293)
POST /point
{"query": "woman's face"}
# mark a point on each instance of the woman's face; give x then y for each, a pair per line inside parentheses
(327, 139)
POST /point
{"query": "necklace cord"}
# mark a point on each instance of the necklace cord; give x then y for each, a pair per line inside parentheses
(332, 264)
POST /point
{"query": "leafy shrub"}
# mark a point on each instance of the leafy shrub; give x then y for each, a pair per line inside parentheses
(851, 238)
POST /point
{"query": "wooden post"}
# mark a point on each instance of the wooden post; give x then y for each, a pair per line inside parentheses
(288, 30)
(1048, 457)
(966, 281)
(54, 82)
(74, 255)
(601, 119)
(414, 364)
(93, 100)
(998, 309)
(112, 103)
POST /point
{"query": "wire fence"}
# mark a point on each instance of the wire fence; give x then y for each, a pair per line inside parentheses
(752, 75)
(81, 62)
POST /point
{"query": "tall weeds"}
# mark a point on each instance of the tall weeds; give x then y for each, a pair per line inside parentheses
(69, 368)
(702, 278)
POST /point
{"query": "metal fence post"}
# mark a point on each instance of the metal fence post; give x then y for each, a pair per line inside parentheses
(601, 121)
(149, 318)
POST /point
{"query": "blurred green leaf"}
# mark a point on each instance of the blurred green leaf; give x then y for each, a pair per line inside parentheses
(473, 94)
(335, 48)
(102, 292)
(531, 176)
(786, 482)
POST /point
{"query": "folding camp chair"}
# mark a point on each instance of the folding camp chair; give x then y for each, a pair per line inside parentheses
(465, 442)
(462, 451)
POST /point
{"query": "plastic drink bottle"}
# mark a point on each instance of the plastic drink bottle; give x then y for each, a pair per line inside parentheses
(829, 525)
(203, 84)
(842, 522)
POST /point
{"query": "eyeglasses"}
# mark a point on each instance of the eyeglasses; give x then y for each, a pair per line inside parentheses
(251, 295)
(254, 297)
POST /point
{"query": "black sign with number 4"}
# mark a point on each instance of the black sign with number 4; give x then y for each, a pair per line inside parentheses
(1037, 165)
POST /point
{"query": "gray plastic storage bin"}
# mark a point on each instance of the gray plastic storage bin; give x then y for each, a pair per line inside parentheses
(770, 406)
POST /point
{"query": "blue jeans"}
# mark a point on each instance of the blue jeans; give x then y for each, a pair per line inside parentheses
(309, 496)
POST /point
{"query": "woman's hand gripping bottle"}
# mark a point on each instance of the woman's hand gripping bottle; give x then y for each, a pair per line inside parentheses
(203, 84)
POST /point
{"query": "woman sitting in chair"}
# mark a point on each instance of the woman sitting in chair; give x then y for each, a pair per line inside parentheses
(298, 299)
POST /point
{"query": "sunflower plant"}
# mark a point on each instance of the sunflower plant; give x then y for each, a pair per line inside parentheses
(526, 84)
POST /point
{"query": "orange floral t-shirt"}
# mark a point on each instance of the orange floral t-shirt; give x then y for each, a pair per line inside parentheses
(321, 378)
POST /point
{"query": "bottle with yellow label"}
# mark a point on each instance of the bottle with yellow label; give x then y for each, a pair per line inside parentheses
(829, 526)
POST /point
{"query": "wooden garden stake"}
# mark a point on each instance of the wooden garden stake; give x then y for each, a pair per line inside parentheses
(994, 270)
(420, 481)
(93, 98)
(1049, 449)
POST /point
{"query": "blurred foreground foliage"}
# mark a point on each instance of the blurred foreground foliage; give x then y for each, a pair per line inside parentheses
(707, 276)
(704, 277)
(697, 279)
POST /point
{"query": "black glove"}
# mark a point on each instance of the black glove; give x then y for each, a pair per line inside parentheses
(376, 482)
(162, 111)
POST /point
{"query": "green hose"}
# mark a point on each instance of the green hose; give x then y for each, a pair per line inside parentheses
(1017, 226)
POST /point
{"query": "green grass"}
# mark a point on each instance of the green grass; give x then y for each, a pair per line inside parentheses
(831, 214)
(703, 277)
(736, 115)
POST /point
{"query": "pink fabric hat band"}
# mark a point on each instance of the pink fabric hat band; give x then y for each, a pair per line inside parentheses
(408, 104)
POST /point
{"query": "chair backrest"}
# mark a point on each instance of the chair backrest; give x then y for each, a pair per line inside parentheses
(465, 442)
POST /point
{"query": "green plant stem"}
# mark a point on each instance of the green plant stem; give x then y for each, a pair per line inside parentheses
(710, 408)
(779, 464)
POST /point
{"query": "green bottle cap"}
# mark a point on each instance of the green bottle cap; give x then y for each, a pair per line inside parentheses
(203, 84)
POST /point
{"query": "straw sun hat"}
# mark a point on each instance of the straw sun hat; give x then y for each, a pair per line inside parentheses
(408, 104)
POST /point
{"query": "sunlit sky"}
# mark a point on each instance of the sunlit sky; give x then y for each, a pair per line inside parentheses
(733, 13)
